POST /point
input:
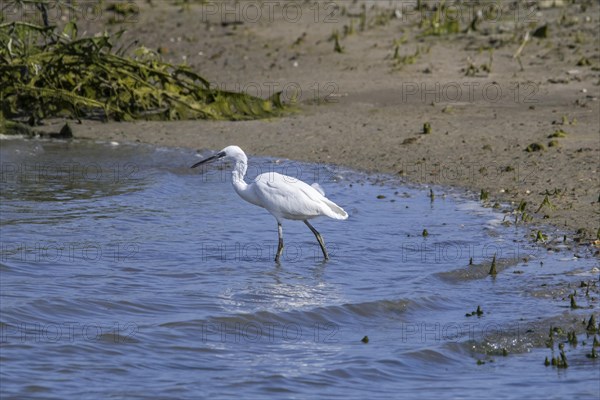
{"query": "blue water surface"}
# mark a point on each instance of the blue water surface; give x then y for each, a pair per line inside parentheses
(125, 274)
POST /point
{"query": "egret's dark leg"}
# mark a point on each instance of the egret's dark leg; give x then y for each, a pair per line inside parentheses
(319, 239)
(280, 246)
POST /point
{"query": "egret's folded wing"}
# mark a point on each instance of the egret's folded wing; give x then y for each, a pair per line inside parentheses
(293, 199)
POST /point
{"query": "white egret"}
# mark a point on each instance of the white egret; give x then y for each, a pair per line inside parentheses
(283, 196)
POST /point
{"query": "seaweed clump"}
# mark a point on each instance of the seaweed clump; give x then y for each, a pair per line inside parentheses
(46, 72)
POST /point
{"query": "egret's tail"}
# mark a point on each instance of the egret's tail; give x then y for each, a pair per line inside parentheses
(330, 209)
(334, 211)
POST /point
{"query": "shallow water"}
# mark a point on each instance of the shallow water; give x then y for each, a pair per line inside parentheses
(126, 274)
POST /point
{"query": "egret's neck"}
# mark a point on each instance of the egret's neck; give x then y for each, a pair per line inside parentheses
(245, 191)
(237, 176)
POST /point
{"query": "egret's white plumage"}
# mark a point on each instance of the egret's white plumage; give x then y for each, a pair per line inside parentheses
(283, 196)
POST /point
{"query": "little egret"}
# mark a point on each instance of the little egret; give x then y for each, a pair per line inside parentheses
(283, 196)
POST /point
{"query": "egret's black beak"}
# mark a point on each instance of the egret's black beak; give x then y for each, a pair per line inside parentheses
(220, 154)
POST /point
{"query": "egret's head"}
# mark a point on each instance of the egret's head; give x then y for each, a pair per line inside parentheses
(233, 153)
